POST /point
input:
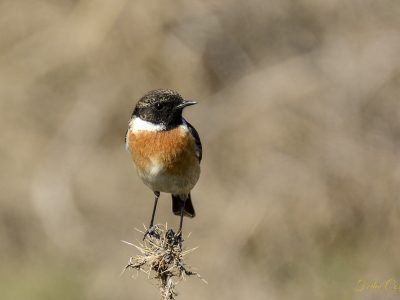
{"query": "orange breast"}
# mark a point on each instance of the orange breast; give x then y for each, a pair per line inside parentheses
(174, 149)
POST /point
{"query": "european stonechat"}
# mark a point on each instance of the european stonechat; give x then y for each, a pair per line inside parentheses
(166, 149)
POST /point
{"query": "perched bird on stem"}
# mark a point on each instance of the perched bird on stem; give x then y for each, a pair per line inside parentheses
(166, 149)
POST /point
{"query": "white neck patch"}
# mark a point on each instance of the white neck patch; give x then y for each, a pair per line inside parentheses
(137, 124)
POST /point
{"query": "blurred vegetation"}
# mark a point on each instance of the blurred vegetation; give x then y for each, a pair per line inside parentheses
(299, 116)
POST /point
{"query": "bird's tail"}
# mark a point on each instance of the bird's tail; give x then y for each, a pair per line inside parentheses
(178, 201)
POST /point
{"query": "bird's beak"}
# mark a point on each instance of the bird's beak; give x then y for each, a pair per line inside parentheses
(186, 103)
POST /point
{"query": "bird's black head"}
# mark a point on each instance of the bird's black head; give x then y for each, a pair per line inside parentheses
(161, 107)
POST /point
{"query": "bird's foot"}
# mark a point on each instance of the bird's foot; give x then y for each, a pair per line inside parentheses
(179, 238)
(151, 232)
(173, 238)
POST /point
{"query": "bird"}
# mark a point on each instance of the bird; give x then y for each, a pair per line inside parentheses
(166, 150)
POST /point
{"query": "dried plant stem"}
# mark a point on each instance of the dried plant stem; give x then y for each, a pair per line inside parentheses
(161, 257)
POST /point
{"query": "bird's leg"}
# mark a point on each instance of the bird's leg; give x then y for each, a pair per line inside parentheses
(150, 229)
(178, 236)
(157, 194)
(181, 221)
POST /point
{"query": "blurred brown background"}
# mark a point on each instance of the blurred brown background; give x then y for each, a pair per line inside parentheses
(299, 116)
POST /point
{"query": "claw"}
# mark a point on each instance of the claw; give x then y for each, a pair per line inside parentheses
(151, 232)
(178, 239)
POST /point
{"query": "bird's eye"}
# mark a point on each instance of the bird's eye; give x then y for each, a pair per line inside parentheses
(159, 106)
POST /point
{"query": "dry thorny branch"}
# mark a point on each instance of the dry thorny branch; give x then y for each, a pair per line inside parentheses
(161, 257)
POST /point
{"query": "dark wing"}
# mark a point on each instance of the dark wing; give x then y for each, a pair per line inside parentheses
(199, 148)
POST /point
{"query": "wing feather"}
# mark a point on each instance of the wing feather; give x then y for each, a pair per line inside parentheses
(194, 133)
